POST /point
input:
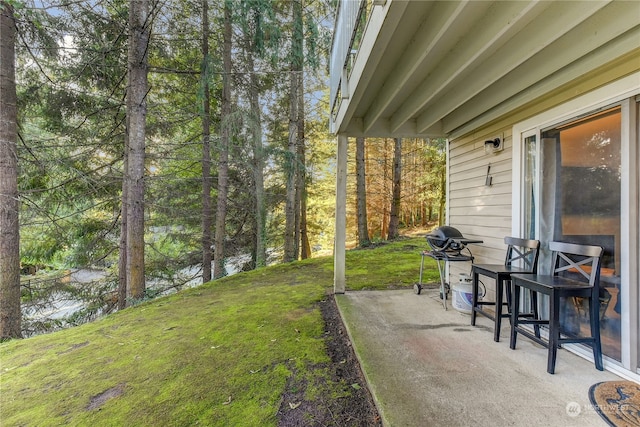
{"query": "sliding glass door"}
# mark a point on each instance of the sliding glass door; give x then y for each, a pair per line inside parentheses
(571, 192)
(580, 199)
(576, 176)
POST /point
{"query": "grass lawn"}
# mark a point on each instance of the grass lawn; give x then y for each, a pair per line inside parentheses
(219, 354)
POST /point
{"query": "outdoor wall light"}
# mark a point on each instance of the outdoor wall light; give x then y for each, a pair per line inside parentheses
(493, 142)
(493, 145)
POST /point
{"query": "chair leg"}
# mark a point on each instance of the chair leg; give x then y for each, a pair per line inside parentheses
(507, 290)
(515, 309)
(534, 308)
(498, 313)
(594, 322)
(554, 331)
(474, 297)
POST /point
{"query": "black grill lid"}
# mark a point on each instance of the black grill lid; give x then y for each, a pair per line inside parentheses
(442, 238)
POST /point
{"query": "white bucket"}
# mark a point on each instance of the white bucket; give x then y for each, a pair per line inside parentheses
(462, 295)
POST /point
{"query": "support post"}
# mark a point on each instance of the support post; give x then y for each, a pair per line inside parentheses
(341, 217)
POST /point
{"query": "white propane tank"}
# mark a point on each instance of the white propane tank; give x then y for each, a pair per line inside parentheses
(462, 294)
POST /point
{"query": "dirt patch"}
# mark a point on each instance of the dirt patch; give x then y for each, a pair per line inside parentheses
(99, 399)
(355, 408)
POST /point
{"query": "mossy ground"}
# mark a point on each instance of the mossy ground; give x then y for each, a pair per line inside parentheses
(219, 354)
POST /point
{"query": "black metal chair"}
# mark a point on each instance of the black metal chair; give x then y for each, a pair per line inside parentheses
(522, 257)
(575, 273)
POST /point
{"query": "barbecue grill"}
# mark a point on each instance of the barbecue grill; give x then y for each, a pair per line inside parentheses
(447, 245)
(447, 240)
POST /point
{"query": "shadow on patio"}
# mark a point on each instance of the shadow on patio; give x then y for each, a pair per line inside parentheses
(430, 367)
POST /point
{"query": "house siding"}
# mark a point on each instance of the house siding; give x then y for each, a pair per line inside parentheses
(485, 212)
(477, 210)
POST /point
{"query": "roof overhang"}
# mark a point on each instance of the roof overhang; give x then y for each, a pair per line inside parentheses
(434, 68)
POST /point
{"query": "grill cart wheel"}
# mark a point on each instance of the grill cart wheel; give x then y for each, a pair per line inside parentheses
(417, 288)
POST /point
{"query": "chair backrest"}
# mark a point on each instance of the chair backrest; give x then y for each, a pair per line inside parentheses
(579, 261)
(522, 250)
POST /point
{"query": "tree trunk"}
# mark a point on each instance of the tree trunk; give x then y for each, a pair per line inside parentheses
(139, 30)
(258, 163)
(290, 252)
(10, 316)
(368, 185)
(394, 213)
(206, 148)
(223, 161)
(361, 194)
(443, 196)
(384, 224)
(305, 246)
(122, 256)
(290, 223)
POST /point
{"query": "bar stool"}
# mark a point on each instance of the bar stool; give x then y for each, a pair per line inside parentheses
(575, 273)
(524, 252)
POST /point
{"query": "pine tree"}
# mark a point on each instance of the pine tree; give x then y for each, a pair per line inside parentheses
(223, 160)
(139, 31)
(394, 212)
(10, 317)
(361, 193)
(206, 147)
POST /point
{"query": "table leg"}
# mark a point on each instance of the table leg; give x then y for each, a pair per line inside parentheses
(554, 331)
(515, 309)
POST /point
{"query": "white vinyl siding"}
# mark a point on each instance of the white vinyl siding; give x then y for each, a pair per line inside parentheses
(479, 211)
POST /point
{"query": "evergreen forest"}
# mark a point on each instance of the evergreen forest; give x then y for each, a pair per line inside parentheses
(147, 146)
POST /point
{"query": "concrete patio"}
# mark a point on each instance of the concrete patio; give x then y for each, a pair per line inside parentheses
(429, 367)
